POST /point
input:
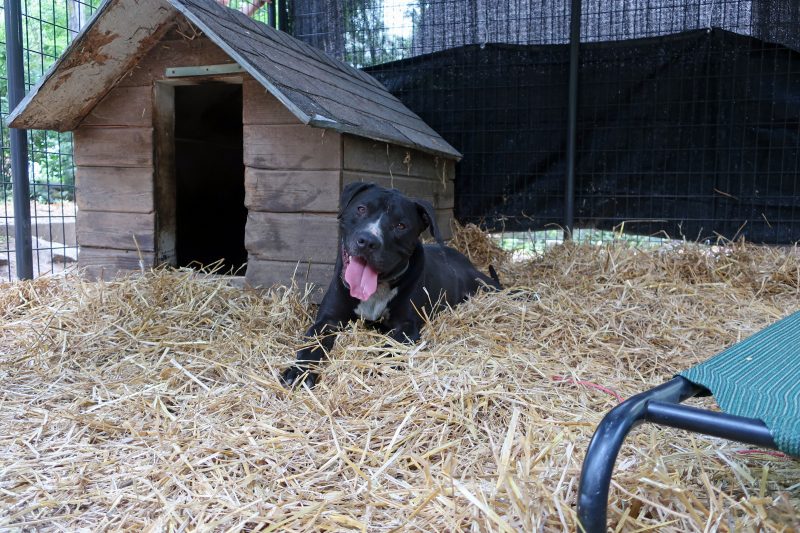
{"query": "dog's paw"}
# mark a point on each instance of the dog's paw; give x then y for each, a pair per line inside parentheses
(294, 376)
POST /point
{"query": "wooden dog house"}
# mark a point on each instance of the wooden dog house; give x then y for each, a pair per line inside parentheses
(200, 134)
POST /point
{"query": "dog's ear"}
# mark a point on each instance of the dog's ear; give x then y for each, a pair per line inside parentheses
(428, 216)
(349, 192)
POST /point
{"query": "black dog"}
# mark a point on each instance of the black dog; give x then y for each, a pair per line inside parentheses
(384, 274)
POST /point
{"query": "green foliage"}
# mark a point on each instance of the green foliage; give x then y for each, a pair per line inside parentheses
(261, 15)
(367, 39)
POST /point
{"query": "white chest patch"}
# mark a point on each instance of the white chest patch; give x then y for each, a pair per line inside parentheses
(374, 309)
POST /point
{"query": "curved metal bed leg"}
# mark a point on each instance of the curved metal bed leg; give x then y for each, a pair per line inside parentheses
(606, 443)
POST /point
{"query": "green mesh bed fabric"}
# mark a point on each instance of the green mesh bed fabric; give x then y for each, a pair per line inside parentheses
(759, 377)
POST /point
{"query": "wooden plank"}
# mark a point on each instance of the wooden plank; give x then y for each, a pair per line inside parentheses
(121, 231)
(292, 236)
(411, 187)
(123, 106)
(440, 195)
(104, 263)
(375, 156)
(444, 217)
(129, 190)
(291, 147)
(204, 71)
(445, 197)
(174, 53)
(282, 191)
(266, 273)
(165, 182)
(113, 147)
(260, 107)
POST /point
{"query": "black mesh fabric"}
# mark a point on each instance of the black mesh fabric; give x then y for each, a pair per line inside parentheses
(688, 118)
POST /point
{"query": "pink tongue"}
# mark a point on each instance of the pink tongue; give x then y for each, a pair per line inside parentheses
(363, 280)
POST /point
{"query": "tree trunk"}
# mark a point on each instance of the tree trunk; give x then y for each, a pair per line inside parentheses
(77, 14)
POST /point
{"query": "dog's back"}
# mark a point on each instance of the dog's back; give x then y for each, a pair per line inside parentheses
(454, 274)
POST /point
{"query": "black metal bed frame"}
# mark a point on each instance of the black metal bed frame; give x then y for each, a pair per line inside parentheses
(660, 405)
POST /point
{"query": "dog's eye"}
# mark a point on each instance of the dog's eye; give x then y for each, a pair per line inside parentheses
(400, 226)
(361, 209)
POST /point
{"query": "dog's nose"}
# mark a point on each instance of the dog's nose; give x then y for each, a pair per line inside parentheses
(367, 241)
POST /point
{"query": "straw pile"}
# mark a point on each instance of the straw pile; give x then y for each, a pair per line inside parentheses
(151, 403)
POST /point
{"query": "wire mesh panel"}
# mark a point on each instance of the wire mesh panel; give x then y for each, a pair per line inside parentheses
(687, 118)
(47, 29)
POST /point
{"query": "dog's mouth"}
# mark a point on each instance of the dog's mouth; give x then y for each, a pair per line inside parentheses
(359, 276)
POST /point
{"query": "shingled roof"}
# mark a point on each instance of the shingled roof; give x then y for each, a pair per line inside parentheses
(319, 90)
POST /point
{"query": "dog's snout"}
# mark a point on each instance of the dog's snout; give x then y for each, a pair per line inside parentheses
(367, 241)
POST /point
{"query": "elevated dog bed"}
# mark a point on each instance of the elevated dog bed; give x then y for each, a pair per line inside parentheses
(756, 383)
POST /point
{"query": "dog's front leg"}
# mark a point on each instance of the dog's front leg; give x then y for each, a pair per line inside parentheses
(405, 331)
(334, 312)
(308, 358)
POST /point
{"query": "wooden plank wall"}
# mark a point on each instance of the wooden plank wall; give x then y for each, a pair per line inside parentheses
(292, 185)
(113, 150)
(115, 158)
(293, 177)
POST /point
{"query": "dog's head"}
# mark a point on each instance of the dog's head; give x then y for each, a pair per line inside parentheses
(379, 229)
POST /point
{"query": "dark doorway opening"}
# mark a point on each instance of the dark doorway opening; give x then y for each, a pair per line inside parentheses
(209, 173)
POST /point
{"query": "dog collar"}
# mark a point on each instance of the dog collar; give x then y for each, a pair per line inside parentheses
(396, 276)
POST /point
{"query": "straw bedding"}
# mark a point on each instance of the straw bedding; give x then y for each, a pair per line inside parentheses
(151, 403)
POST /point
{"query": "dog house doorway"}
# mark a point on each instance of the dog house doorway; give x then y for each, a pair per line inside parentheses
(208, 221)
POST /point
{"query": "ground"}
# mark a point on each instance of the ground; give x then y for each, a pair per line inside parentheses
(53, 230)
(153, 402)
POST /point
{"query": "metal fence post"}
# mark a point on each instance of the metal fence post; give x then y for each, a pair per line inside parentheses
(19, 142)
(283, 15)
(572, 117)
(272, 9)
